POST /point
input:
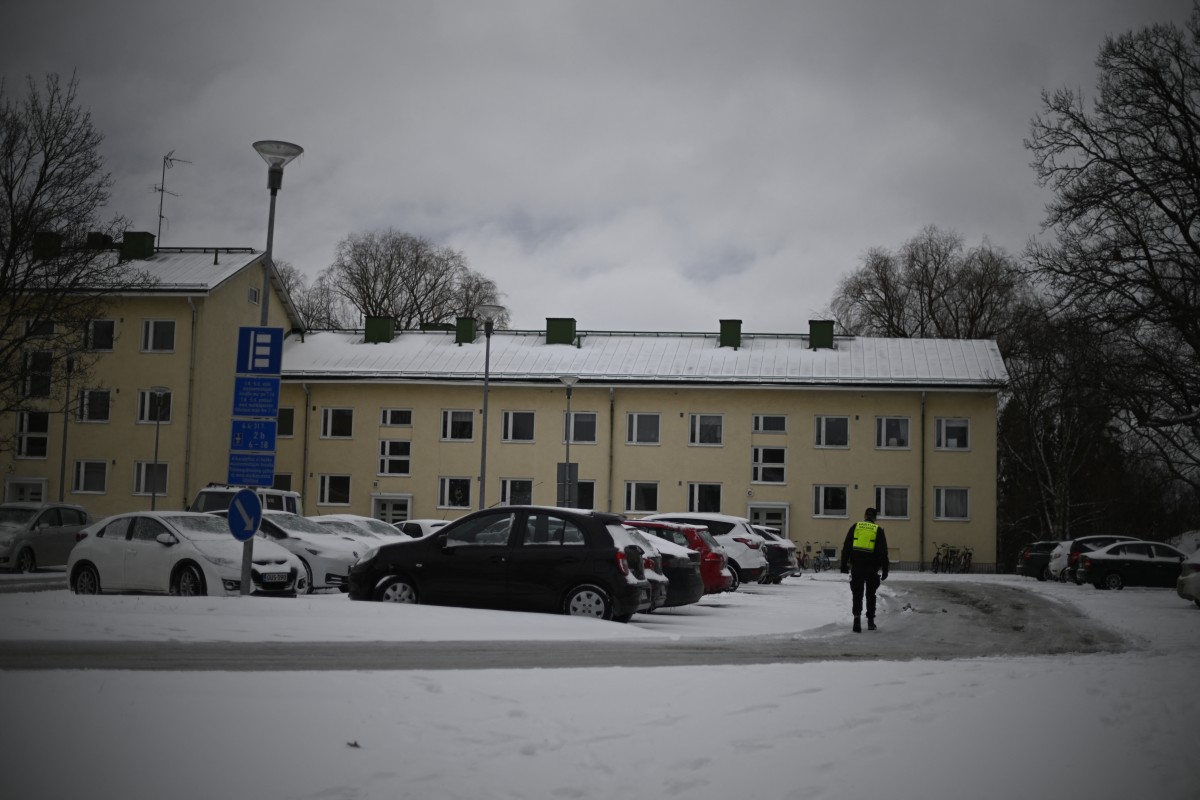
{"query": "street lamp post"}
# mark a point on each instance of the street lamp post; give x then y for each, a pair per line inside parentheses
(488, 314)
(157, 392)
(569, 381)
(277, 155)
(62, 461)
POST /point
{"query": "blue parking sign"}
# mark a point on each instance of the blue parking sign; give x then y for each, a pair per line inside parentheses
(260, 351)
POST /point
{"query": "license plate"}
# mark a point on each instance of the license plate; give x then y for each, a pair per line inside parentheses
(275, 577)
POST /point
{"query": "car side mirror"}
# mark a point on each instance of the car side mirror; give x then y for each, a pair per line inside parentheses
(166, 538)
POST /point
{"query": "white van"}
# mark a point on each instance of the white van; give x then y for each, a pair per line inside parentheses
(218, 496)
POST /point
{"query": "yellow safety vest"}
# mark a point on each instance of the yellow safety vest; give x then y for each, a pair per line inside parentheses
(864, 536)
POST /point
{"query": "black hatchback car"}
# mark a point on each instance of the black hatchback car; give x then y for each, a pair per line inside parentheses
(1034, 559)
(581, 563)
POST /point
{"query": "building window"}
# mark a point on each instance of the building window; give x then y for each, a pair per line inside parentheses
(705, 429)
(153, 407)
(769, 465)
(833, 432)
(101, 335)
(252, 295)
(158, 336)
(641, 496)
(395, 418)
(395, 457)
(334, 490)
(36, 381)
(458, 426)
(150, 478)
(582, 427)
(91, 477)
(704, 498)
(454, 492)
(94, 405)
(43, 328)
(337, 423)
(516, 491)
(285, 422)
(891, 432)
(585, 494)
(892, 502)
(517, 426)
(643, 429)
(770, 423)
(33, 434)
(952, 433)
(830, 501)
(951, 503)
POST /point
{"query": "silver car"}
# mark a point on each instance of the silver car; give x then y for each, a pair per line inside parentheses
(35, 535)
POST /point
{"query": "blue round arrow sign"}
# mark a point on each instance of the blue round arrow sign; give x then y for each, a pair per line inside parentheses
(245, 514)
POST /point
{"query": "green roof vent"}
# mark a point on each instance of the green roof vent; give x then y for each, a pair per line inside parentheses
(464, 330)
(137, 246)
(379, 329)
(560, 330)
(820, 334)
(731, 333)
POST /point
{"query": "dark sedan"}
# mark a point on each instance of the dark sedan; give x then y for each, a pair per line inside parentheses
(581, 563)
(1034, 559)
(36, 535)
(1131, 564)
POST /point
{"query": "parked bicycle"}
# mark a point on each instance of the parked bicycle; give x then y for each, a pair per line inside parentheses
(948, 558)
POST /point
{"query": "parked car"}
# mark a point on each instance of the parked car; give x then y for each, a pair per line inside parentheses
(1188, 585)
(1034, 559)
(218, 496)
(1064, 558)
(743, 546)
(176, 552)
(680, 565)
(381, 529)
(652, 566)
(420, 528)
(714, 569)
(348, 528)
(581, 563)
(782, 560)
(1130, 564)
(36, 535)
(325, 556)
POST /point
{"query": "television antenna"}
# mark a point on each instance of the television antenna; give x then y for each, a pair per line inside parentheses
(168, 161)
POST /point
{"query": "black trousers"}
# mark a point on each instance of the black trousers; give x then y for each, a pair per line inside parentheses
(860, 581)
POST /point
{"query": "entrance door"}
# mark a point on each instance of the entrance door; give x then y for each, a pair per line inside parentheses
(393, 510)
(25, 490)
(771, 517)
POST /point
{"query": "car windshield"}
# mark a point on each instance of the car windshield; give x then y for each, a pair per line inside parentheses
(15, 517)
(294, 524)
(348, 528)
(213, 501)
(201, 526)
(378, 526)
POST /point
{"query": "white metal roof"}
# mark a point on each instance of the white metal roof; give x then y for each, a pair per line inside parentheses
(190, 270)
(617, 357)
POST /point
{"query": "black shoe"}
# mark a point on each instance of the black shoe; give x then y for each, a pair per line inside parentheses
(857, 625)
(871, 625)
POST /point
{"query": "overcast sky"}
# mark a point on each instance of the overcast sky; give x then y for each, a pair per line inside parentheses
(637, 165)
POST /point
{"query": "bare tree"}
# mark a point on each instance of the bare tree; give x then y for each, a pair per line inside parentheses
(393, 274)
(319, 306)
(1126, 179)
(56, 262)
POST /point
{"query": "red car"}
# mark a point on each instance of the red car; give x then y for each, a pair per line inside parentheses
(713, 562)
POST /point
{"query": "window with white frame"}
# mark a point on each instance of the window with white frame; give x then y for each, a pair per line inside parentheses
(641, 496)
(93, 405)
(395, 457)
(337, 423)
(158, 335)
(770, 423)
(37, 376)
(516, 491)
(252, 295)
(704, 498)
(91, 477)
(830, 501)
(582, 427)
(395, 417)
(892, 502)
(768, 465)
(952, 433)
(642, 428)
(458, 425)
(101, 335)
(951, 503)
(33, 434)
(705, 429)
(517, 426)
(285, 422)
(333, 490)
(153, 406)
(832, 432)
(454, 492)
(150, 478)
(891, 432)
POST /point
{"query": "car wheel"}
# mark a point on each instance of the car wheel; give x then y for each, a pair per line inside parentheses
(397, 590)
(1113, 581)
(86, 580)
(26, 562)
(588, 601)
(188, 582)
(308, 584)
(737, 578)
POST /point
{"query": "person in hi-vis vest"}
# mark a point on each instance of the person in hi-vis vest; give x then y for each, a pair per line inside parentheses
(864, 554)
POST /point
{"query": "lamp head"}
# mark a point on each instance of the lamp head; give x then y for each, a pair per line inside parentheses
(569, 380)
(277, 155)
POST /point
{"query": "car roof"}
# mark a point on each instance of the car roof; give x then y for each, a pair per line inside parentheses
(31, 505)
(699, 515)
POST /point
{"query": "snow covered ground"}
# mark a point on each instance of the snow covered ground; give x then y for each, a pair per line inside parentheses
(1101, 726)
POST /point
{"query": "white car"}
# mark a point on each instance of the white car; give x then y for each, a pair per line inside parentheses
(176, 552)
(1063, 558)
(326, 556)
(383, 530)
(420, 528)
(349, 527)
(1188, 585)
(652, 566)
(743, 545)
